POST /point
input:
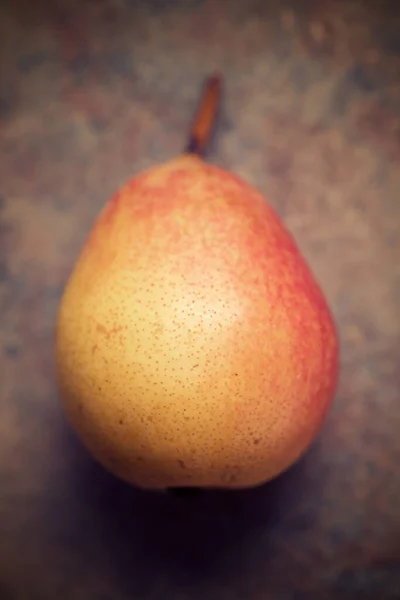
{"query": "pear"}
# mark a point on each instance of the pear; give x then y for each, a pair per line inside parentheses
(194, 346)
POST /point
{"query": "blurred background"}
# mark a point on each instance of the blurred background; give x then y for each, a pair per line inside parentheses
(92, 93)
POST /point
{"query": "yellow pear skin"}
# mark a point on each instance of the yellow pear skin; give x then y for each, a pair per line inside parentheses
(194, 346)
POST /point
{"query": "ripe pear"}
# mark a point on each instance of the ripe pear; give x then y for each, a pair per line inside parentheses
(194, 346)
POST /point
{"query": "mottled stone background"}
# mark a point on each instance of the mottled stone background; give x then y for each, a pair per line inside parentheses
(93, 92)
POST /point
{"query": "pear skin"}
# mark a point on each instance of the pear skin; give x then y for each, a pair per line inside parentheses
(194, 347)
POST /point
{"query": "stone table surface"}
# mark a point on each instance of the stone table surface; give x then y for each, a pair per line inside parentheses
(90, 94)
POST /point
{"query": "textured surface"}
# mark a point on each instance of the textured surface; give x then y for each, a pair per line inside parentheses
(193, 345)
(91, 95)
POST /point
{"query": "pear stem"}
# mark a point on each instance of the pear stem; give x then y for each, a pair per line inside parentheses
(204, 120)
